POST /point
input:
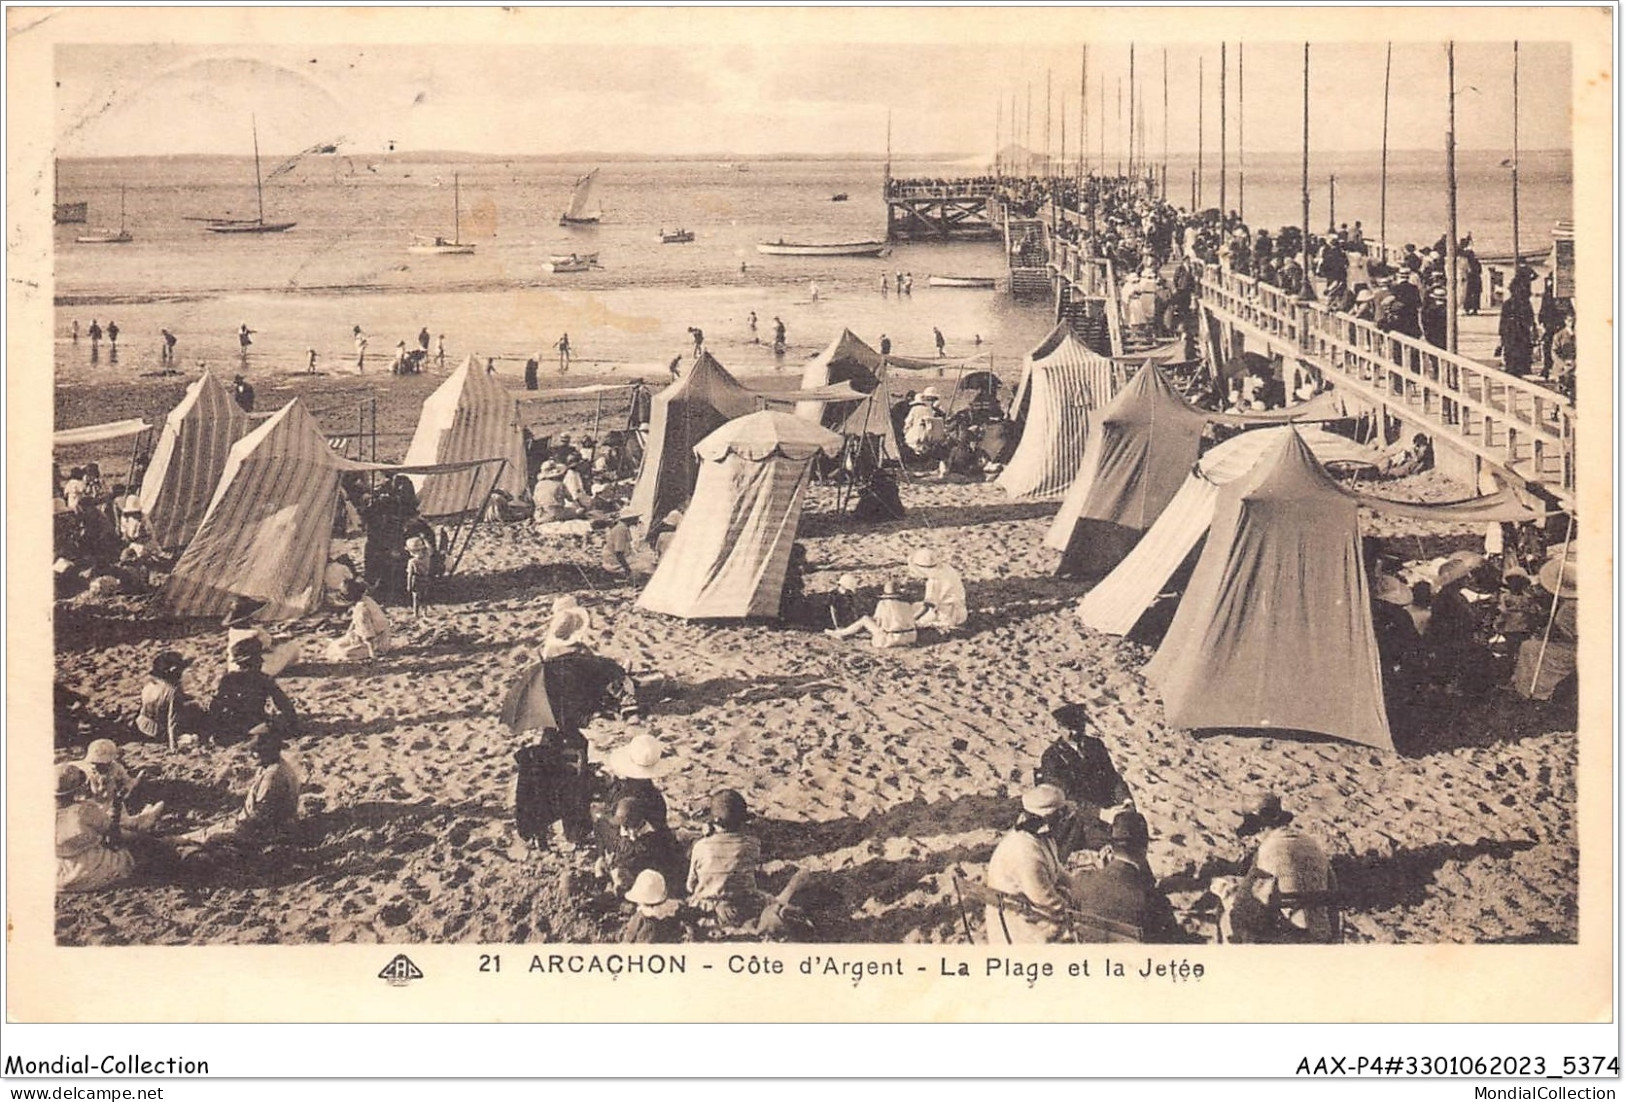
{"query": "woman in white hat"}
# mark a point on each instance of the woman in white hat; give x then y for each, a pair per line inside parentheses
(552, 503)
(368, 634)
(923, 427)
(944, 605)
(87, 858)
(567, 630)
(1547, 659)
(1027, 863)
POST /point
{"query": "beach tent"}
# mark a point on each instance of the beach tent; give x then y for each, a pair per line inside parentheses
(1059, 382)
(686, 412)
(1118, 601)
(269, 526)
(1143, 446)
(1274, 629)
(846, 360)
(191, 452)
(730, 554)
(469, 416)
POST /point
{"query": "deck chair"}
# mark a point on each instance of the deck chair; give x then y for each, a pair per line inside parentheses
(1076, 926)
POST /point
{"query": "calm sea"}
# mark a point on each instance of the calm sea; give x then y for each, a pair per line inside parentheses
(346, 262)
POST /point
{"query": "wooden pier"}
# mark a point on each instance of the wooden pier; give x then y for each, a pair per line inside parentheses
(956, 210)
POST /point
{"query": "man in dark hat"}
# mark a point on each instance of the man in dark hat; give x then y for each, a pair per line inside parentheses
(1124, 890)
(1288, 893)
(1079, 764)
(239, 624)
(240, 700)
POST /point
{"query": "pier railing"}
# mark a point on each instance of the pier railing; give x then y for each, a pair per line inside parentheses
(1509, 421)
(948, 189)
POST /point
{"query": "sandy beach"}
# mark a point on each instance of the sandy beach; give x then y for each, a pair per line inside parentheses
(880, 772)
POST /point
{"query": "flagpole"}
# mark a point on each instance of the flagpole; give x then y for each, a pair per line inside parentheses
(1450, 183)
(1304, 290)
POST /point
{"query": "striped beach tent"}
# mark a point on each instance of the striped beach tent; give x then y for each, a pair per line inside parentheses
(729, 557)
(469, 416)
(686, 412)
(1144, 445)
(268, 529)
(186, 463)
(1058, 388)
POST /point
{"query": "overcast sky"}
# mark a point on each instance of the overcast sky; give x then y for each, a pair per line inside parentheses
(751, 97)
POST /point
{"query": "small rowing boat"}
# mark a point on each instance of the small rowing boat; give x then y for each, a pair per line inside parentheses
(588, 259)
(981, 283)
(838, 197)
(782, 247)
(676, 237)
(568, 264)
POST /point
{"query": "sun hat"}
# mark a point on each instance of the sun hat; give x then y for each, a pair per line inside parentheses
(1458, 566)
(648, 890)
(1559, 577)
(847, 582)
(131, 505)
(923, 559)
(70, 779)
(103, 751)
(550, 469)
(169, 663)
(417, 544)
(930, 394)
(643, 758)
(673, 518)
(1043, 800)
(1266, 812)
(242, 611)
(1129, 829)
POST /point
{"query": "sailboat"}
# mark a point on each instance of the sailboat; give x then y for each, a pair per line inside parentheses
(121, 236)
(250, 225)
(439, 246)
(582, 211)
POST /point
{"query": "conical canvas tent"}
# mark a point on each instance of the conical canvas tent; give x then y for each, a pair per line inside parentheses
(268, 528)
(872, 417)
(686, 412)
(1275, 629)
(187, 461)
(846, 360)
(729, 556)
(1143, 446)
(469, 416)
(1059, 382)
(1121, 597)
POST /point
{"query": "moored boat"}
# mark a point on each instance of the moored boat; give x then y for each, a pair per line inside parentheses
(70, 213)
(782, 247)
(440, 246)
(568, 264)
(588, 259)
(676, 237)
(120, 236)
(250, 225)
(986, 283)
(838, 197)
(583, 211)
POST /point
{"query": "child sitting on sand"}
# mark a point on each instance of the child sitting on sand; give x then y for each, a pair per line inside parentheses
(368, 634)
(890, 625)
(657, 920)
(166, 711)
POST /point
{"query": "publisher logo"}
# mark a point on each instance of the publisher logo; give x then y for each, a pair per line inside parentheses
(401, 971)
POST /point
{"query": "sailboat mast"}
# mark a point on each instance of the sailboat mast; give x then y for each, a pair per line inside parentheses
(1224, 136)
(1164, 124)
(1241, 131)
(1201, 123)
(121, 209)
(1450, 182)
(456, 211)
(1515, 256)
(1304, 292)
(1131, 111)
(1382, 202)
(259, 185)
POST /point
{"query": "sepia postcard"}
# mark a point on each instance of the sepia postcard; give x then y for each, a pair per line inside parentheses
(809, 515)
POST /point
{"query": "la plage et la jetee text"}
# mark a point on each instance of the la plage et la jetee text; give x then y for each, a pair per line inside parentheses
(855, 969)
